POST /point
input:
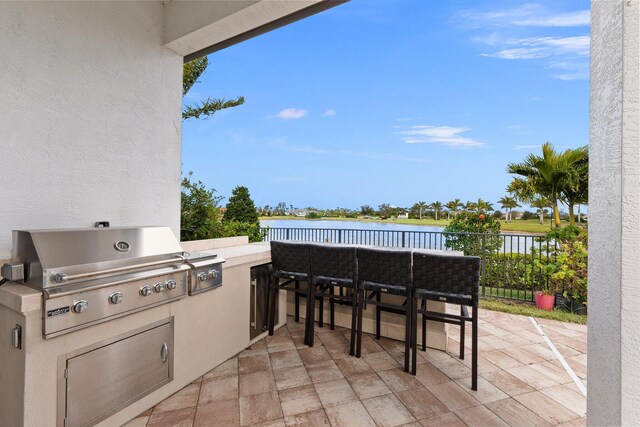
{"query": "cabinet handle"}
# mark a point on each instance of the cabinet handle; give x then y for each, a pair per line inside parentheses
(164, 352)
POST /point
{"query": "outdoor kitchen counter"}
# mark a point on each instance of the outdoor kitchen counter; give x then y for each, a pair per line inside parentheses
(209, 328)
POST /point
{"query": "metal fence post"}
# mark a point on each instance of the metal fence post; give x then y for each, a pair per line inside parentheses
(288, 233)
(403, 239)
(340, 237)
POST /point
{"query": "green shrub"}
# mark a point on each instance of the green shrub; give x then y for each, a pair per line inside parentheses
(474, 234)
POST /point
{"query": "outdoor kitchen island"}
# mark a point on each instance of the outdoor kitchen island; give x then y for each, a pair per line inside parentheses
(207, 329)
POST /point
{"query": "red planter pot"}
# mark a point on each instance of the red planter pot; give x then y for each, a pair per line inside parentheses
(545, 302)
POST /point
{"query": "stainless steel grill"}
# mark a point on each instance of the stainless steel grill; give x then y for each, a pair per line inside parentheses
(88, 276)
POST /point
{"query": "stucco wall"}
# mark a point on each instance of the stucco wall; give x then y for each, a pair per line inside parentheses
(614, 206)
(89, 117)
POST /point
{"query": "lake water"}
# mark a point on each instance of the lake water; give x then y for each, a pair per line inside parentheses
(379, 233)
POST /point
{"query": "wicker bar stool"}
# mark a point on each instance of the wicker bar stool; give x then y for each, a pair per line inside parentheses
(291, 265)
(335, 266)
(384, 271)
(451, 279)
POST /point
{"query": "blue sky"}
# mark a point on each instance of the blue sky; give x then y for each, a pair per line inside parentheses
(379, 101)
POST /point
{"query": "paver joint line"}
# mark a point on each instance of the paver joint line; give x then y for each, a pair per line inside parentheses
(564, 363)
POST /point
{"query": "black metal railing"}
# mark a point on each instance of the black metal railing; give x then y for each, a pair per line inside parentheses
(509, 261)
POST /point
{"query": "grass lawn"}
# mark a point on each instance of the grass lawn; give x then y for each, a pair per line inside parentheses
(516, 226)
(525, 309)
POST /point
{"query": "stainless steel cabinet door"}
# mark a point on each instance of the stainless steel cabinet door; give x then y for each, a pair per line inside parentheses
(260, 287)
(106, 379)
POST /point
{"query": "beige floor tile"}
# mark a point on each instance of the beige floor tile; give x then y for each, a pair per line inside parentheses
(546, 408)
(185, 398)
(137, 422)
(580, 422)
(218, 389)
(349, 415)
(567, 397)
(252, 364)
(221, 413)
(428, 374)
(422, 403)
(335, 392)
(452, 368)
(298, 400)
(260, 408)
(338, 351)
(324, 371)
(501, 359)
(445, 420)
(259, 347)
(177, 418)
(291, 377)
(533, 377)
(256, 383)
(388, 411)
(280, 343)
(398, 380)
(310, 419)
(353, 366)
(313, 355)
(370, 385)
(480, 416)
(507, 383)
(452, 395)
(515, 414)
(227, 369)
(370, 346)
(285, 359)
(486, 392)
(523, 356)
(380, 361)
(328, 337)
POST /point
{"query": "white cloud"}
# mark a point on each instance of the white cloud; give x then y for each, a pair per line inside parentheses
(291, 114)
(447, 135)
(330, 112)
(543, 47)
(527, 147)
(528, 15)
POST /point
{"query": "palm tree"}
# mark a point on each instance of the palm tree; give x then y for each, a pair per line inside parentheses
(453, 206)
(576, 192)
(508, 203)
(437, 207)
(470, 206)
(421, 207)
(480, 206)
(540, 203)
(550, 174)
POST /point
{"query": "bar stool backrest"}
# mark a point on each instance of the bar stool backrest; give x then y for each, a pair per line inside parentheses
(384, 266)
(448, 274)
(290, 260)
(333, 263)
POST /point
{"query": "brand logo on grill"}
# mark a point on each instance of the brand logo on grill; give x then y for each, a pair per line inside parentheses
(58, 311)
(122, 246)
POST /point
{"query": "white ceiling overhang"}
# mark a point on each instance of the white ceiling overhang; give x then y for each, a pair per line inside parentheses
(197, 28)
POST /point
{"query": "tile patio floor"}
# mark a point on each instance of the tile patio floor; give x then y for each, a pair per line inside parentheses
(281, 382)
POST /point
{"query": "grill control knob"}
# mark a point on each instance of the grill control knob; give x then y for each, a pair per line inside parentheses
(80, 306)
(213, 274)
(145, 291)
(203, 277)
(171, 284)
(159, 287)
(115, 298)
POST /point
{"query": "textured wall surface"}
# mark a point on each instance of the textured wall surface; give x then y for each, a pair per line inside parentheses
(614, 203)
(90, 117)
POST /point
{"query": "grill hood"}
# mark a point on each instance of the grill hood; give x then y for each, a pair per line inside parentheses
(88, 250)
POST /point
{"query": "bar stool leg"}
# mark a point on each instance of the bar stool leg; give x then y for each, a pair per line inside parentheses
(360, 303)
(424, 326)
(474, 348)
(309, 321)
(296, 312)
(332, 314)
(414, 336)
(378, 315)
(320, 308)
(408, 333)
(354, 316)
(462, 332)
